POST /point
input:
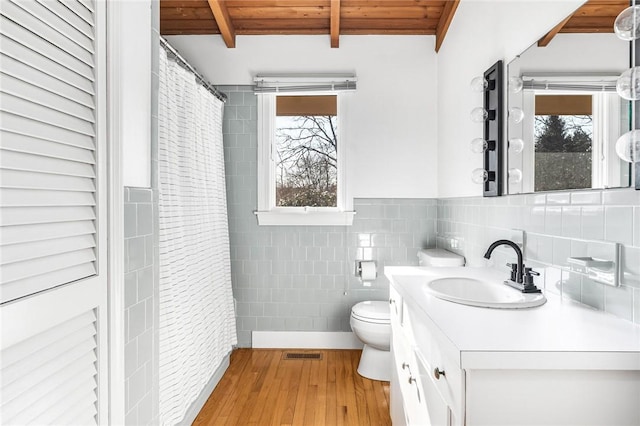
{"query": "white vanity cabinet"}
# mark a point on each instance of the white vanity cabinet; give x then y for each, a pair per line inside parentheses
(415, 399)
(461, 365)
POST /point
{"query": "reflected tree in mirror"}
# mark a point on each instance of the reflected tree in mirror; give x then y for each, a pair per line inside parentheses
(563, 147)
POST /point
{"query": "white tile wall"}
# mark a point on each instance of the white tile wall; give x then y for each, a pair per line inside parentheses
(140, 307)
(557, 225)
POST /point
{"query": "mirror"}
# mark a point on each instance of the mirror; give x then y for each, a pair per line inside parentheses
(564, 115)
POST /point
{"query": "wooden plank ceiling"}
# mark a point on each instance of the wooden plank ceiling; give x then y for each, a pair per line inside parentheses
(333, 17)
(595, 16)
(336, 17)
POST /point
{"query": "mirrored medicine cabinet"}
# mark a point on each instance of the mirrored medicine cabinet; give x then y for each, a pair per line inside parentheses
(565, 116)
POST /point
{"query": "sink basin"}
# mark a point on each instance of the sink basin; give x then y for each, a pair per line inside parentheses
(470, 291)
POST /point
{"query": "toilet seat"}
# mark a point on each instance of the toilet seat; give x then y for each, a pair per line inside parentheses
(375, 312)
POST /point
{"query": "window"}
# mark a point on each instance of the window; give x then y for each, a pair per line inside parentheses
(306, 151)
(301, 156)
(563, 135)
(571, 124)
(574, 145)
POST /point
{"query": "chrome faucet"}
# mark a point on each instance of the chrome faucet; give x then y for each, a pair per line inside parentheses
(521, 277)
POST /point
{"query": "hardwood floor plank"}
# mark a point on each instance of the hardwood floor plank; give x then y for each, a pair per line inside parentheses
(221, 402)
(301, 401)
(292, 394)
(361, 401)
(248, 396)
(352, 403)
(319, 371)
(266, 391)
(260, 388)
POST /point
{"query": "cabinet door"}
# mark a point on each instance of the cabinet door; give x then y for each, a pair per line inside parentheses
(395, 308)
(437, 410)
(409, 387)
(396, 407)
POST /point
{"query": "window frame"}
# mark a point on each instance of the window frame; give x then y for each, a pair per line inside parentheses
(270, 214)
(605, 109)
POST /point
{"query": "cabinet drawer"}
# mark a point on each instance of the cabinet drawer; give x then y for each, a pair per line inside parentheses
(434, 351)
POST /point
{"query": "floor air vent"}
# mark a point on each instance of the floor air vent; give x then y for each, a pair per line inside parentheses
(301, 355)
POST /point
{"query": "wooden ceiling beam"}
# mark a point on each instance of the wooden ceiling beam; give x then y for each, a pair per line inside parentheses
(445, 20)
(544, 41)
(335, 23)
(221, 16)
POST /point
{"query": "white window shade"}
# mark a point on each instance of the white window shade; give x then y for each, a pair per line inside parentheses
(301, 83)
(48, 145)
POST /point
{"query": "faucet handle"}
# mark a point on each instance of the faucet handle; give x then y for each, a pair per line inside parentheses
(514, 271)
(527, 281)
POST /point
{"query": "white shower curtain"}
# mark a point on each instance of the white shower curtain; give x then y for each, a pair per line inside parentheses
(197, 322)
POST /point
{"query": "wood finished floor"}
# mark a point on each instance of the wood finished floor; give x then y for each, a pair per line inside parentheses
(260, 388)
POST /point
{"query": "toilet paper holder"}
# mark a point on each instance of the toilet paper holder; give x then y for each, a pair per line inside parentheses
(359, 267)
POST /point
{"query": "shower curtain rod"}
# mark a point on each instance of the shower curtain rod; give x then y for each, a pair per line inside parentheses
(183, 62)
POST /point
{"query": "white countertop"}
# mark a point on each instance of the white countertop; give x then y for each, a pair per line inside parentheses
(558, 334)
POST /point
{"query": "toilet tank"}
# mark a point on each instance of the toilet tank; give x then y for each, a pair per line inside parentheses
(439, 258)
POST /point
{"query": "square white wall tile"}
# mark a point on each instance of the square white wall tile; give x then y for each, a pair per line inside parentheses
(636, 226)
(592, 222)
(619, 301)
(618, 224)
(553, 220)
(571, 221)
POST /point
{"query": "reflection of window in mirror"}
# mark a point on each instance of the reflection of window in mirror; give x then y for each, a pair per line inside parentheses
(574, 138)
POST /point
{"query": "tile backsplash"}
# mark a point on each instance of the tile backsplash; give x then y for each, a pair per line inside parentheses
(557, 225)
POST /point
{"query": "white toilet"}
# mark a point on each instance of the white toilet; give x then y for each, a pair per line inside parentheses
(371, 323)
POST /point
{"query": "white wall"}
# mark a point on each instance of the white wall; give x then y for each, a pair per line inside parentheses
(135, 92)
(481, 33)
(391, 123)
(594, 53)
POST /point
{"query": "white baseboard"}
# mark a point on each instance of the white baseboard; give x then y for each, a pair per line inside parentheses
(197, 405)
(305, 340)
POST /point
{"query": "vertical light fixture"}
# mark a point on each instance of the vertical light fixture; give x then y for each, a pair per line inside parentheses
(627, 28)
(493, 131)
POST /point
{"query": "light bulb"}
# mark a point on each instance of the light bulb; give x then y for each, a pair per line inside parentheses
(627, 24)
(515, 84)
(479, 84)
(628, 84)
(479, 114)
(478, 145)
(516, 115)
(516, 145)
(628, 146)
(515, 175)
(479, 176)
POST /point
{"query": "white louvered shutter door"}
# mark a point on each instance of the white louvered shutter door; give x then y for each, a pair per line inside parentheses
(52, 212)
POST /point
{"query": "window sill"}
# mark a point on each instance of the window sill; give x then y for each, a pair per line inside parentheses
(302, 218)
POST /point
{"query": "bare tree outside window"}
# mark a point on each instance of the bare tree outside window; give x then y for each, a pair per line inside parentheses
(306, 161)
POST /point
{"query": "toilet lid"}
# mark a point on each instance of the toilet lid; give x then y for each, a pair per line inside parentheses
(375, 310)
